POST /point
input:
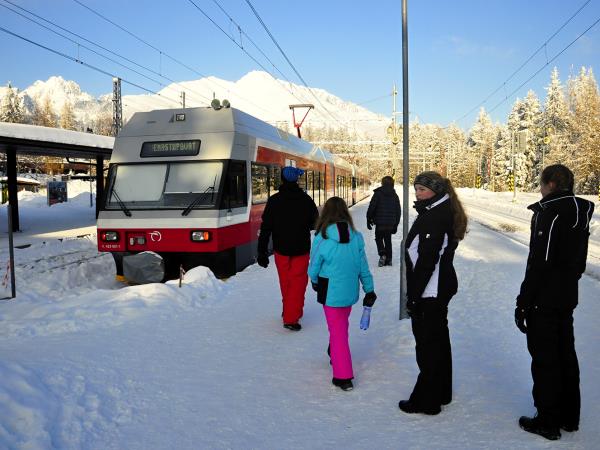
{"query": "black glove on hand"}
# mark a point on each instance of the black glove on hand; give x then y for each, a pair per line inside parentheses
(262, 260)
(369, 299)
(369, 225)
(315, 286)
(411, 307)
(521, 319)
(395, 230)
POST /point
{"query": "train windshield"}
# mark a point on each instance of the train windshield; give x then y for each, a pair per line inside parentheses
(165, 186)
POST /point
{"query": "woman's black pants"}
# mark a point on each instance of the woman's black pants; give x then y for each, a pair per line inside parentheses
(434, 355)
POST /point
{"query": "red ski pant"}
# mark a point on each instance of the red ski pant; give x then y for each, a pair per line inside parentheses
(337, 322)
(293, 277)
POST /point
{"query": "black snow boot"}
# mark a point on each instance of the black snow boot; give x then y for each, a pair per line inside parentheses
(292, 326)
(536, 426)
(381, 262)
(410, 408)
(345, 384)
(569, 427)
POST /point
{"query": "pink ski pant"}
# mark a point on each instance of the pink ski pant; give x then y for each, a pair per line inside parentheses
(337, 322)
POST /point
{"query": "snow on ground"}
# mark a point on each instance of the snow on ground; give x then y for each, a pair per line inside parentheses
(85, 364)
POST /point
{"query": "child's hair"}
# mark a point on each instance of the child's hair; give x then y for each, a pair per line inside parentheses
(387, 181)
(561, 176)
(459, 216)
(334, 210)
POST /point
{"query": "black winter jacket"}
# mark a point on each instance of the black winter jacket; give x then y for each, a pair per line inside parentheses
(289, 216)
(430, 247)
(384, 208)
(560, 229)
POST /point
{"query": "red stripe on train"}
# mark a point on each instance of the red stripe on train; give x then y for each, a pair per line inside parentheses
(180, 240)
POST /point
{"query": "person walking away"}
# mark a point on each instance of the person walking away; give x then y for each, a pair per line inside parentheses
(288, 218)
(560, 229)
(384, 212)
(337, 265)
(431, 282)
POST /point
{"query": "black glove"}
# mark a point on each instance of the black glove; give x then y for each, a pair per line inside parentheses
(411, 307)
(262, 260)
(395, 230)
(521, 318)
(369, 226)
(315, 286)
(369, 299)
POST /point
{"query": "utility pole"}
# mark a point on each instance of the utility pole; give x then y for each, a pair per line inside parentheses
(117, 107)
(403, 314)
(392, 132)
(182, 96)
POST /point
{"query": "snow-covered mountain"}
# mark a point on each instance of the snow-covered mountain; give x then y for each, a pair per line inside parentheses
(256, 93)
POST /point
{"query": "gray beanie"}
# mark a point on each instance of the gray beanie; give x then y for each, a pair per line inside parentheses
(437, 186)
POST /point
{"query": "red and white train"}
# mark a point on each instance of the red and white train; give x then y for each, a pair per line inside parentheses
(191, 185)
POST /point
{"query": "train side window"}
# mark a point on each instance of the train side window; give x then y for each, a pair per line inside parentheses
(260, 183)
(235, 187)
(302, 182)
(321, 188)
(275, 179)
(310, 179)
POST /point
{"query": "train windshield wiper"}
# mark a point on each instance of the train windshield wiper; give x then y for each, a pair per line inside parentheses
(198, 199)
(121, 204)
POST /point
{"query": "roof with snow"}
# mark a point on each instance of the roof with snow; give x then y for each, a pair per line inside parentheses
(37, 140)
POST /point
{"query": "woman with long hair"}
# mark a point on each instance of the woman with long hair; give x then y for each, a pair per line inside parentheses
(431, 283)
(337, 265)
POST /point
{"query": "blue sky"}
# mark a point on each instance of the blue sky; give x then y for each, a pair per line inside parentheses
(459, 51)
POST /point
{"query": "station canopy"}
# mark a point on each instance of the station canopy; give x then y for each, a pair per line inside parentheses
(17, 138)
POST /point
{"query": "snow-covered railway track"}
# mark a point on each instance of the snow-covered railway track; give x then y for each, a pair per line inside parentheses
(499, 221)
(54, 262)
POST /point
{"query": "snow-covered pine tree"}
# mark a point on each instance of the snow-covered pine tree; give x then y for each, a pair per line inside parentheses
(67, 117)
(43, 114)
(555, 122)
(11, 108)
(502, 162)
(482, 137)
(531, 121)
(584, 102)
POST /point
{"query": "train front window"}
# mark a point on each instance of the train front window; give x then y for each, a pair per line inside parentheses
(165, 186)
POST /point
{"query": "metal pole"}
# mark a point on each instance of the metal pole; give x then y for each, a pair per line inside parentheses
(11, 254)
(405, 158)
(512, 152)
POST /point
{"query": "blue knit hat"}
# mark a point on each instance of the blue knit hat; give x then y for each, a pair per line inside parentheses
(290, 173)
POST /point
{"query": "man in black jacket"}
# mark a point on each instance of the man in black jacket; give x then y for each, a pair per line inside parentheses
(557, 256)
(384, 212)
(288, 217)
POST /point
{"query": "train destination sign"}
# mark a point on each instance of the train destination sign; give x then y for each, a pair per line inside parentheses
(170, 148)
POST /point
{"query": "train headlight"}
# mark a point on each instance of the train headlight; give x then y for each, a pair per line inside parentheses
(110, 236)
(200, 236)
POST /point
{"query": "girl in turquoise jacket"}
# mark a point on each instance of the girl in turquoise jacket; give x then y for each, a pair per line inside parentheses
(338, 265)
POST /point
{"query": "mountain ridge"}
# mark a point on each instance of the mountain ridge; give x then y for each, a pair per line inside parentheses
(256, 93)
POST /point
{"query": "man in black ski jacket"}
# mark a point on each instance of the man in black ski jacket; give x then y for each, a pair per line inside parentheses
(560, 229)
(384, 212)
(288, 218)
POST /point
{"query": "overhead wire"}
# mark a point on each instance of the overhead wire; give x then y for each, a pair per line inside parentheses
(251, 40)
(543, 46)
(92, 50)
(545, 65)
(83, 63)
(162, 53)
(287, 59)
(244, 50)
